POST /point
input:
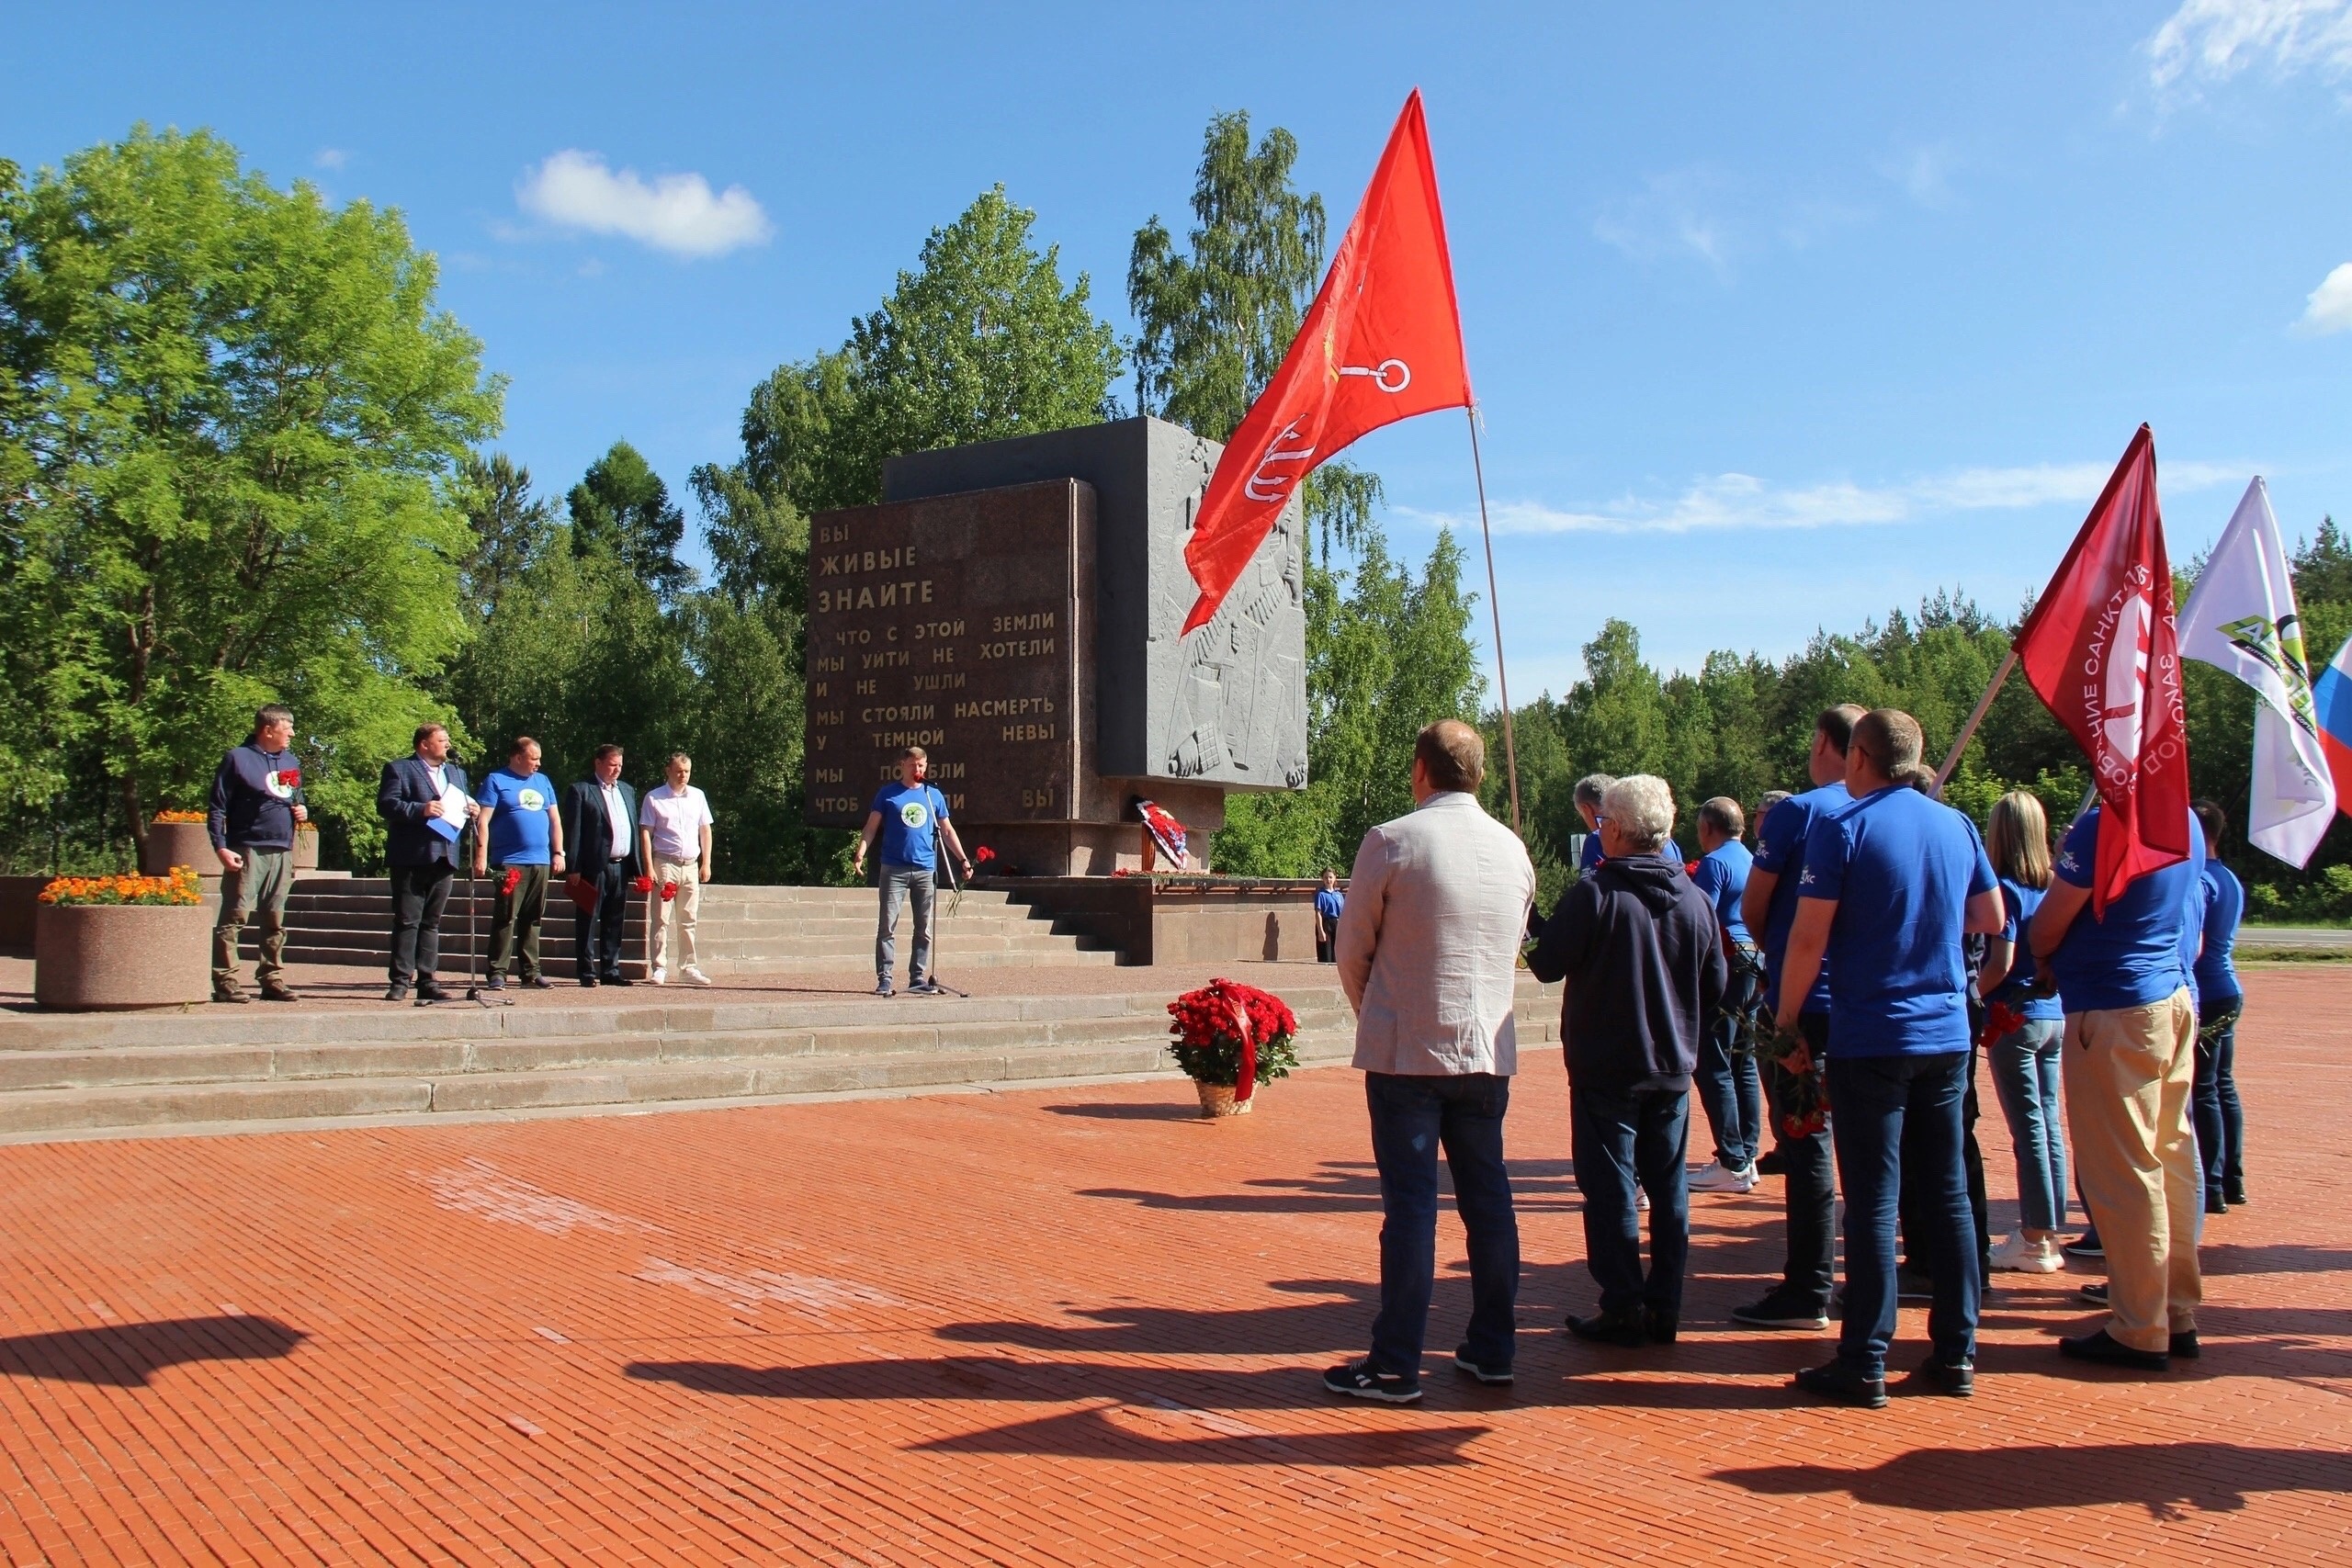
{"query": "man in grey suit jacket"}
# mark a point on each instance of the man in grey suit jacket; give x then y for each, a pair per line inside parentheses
(1428, 945)
(422, 857)
(599, 817)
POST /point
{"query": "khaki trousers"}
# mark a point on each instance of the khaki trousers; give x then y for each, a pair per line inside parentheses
(673, 922)
(259, 887)
(2129, 1072)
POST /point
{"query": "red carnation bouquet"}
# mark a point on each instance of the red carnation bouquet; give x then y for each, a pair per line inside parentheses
(1808, 1107)
(1232, 1034)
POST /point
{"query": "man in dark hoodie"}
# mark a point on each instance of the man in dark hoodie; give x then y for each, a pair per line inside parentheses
(1640, 950)
(257, 801)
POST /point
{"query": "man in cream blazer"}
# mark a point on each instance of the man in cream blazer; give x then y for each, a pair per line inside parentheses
(1436, 909)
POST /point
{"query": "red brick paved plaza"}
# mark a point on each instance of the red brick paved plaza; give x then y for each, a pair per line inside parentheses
(1074, 1326)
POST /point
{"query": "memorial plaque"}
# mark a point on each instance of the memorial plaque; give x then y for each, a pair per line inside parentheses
(964, 624)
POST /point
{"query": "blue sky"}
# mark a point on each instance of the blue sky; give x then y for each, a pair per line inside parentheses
(1779, 319)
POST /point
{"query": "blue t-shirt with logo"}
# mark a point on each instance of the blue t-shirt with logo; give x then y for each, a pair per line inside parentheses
(908, 812)
(1722, 877)
(1328, 903)
(2132, 958)
(2018, 904)
(1902, 868)
(518, 832)
(2217, 971)
(1780, 850)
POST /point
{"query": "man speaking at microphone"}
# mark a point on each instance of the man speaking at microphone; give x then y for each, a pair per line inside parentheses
(904, 817)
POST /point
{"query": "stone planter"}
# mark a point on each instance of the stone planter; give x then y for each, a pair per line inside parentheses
(306, 848)
(1217, 1099)
(106, 957)
(178, 843)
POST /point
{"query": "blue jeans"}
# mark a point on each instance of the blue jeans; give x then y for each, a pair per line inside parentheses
(1728, 1088)
(1412, 1116)
(1809, 1188)
(2025, 1075)
(1622, 1136)
(912, 883)
(1884, 1102)
(2221, 1120)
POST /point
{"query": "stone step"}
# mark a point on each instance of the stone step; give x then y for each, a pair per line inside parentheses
(730, 897)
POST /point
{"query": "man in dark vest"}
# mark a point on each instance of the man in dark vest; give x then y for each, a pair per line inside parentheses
(426, 806)
(257, 801)
(599, 813)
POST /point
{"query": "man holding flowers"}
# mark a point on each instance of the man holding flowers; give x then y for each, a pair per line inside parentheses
(1429, 943)
(257, 801)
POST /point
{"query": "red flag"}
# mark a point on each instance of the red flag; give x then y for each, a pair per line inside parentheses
(1382, 341)
(2100, 651)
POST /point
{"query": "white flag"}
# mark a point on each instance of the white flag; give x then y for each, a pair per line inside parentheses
(2242, 619)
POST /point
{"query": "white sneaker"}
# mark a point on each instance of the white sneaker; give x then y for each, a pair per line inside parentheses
(2020, 1256)
(694, 974)
(660, 977)
(1719, 1177)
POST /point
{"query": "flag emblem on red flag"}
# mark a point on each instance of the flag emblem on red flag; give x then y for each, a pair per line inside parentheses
(1382, 341)
(2100, 650)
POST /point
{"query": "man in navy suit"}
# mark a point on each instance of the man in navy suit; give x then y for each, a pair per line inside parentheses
(598, 818)
(420, 845)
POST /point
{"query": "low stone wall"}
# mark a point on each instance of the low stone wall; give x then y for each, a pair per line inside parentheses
(1179, 919)
(19, 900)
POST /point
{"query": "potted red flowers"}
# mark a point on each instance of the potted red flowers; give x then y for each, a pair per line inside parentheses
(1230, 1039)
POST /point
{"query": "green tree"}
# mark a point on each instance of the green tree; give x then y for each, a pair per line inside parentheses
(983, 341)
(511, 529)
(622, 508)
(242, 413)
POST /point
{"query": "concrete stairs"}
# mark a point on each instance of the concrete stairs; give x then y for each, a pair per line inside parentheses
(247, 1069)
(742, 933)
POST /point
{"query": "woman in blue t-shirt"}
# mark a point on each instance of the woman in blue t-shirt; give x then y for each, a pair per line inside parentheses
(2221, 1123)
(2026, 1055)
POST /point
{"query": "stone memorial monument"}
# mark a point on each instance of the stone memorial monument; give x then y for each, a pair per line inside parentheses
(1014, 608)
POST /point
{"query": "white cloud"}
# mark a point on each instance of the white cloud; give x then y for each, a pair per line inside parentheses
(2212, 40)
(1924, 174)
(2329, 309)
(1742, 501)
(331, 157)
(677, 213)
(1672, 216)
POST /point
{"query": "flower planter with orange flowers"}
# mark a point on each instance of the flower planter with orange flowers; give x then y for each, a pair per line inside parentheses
(179, 837)
(107, 943)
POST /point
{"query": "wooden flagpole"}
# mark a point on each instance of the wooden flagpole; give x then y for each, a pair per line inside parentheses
(1494, 602)
(1968, 730)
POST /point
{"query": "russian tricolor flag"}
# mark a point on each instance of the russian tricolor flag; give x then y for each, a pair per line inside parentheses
(2332, 695)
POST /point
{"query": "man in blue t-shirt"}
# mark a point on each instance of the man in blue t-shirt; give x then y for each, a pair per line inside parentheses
(2220, 1122)
(520, 833)
(1801, 1298)
(1330, 904)
(2131, 1057)
(1727, 1085)
(904, 816)
(1891, 887)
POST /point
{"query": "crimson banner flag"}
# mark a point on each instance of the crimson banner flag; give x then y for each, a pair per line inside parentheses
(1382, 341)
(2101, 652)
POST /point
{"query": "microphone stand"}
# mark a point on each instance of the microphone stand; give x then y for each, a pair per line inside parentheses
(939, 853)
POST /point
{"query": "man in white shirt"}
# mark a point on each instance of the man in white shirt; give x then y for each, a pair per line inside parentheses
(1428, 945)
(674, 824)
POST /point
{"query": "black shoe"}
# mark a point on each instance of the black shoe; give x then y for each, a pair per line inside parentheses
(1914, 1285)
(1360, 1379)
(1660, 1326)
(2085, 1245)
(1936, 1375)
(924, 988)
(614, 980)
(1772, 1162)
(538, 983)
(588, 982)
(1836, 1380)
(2185, 1346)
(432, 994)
(396, 992)
(2094, 1292)
(2109, 1352)
(882, 988)
(1622, 1328)
(280, 994)
(495, 982)
(1779, 1311)
(1497, 1376)
(228, 994)
(2216, 1204)
(2234, 1196)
